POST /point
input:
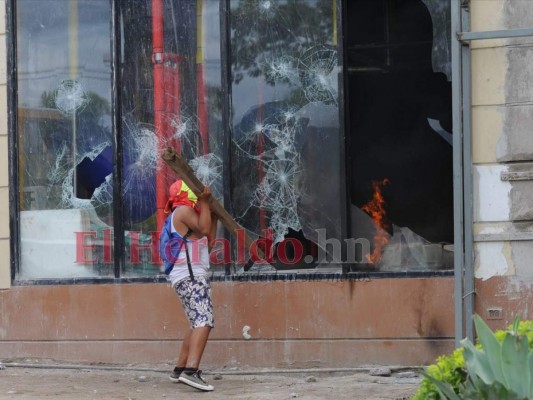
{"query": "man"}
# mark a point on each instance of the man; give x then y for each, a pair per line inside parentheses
(192, 219)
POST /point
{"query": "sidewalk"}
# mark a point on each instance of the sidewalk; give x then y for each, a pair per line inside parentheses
(49, 381)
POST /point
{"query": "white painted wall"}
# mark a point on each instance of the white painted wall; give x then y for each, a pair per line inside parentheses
(502, 93)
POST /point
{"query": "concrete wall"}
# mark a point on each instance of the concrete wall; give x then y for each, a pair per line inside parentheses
(5, 274)
(292, 324)
(502, 79)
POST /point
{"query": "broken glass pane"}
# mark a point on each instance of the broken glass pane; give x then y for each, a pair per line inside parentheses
(286, 136)
(440, 11)
(64, 126)
(400, 154)
(170, 97)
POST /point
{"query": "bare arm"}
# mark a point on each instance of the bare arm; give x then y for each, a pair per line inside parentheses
(213, 232)
(204, 220)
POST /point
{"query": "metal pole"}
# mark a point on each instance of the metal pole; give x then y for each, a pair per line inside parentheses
(159, 104)
(468, 290)
(457, 169)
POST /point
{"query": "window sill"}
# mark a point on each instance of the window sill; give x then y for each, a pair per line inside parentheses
(292, 276)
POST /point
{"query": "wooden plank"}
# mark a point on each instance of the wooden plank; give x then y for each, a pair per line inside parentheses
(186, 173)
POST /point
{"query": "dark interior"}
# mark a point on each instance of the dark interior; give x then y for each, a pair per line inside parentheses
(392, 92)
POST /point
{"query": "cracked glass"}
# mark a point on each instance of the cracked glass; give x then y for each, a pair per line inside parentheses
(170, 98)
(286, 132)
(65, 144)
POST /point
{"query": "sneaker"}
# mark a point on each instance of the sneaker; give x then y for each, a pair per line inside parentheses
(175, 376)
(196, 381)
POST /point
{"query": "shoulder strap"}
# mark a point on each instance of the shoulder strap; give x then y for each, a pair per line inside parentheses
(189, 232)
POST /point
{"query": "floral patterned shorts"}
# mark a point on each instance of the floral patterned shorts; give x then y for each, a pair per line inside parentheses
(195, 296)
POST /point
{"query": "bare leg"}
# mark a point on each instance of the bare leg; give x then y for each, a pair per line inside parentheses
(197, 342)
(184, 352)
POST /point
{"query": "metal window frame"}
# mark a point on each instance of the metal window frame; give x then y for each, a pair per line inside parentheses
(464, 283)
(116, 111)
(13, 144)
(227, 112)
(118, 167)
(13, 157)
(342, 60)
(118, 212)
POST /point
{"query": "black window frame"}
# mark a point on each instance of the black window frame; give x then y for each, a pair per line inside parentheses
(118, 211)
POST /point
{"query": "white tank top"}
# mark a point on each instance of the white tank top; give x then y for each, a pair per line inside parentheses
(198, 253)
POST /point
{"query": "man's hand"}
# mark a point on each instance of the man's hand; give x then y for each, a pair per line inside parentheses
(205, 196)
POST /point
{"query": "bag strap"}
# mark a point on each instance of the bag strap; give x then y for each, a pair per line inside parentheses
(189, 232)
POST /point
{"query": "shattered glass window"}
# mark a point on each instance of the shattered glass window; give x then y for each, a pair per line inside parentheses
(289, 167)
(286, 137)
(171, 91)
(65, 144)
(400, 155)
(441, 58)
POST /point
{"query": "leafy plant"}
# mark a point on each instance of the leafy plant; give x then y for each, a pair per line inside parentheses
(499, 368)
(524, 328)
(448, 368)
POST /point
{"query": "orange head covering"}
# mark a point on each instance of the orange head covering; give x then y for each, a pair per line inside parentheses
(181, 195)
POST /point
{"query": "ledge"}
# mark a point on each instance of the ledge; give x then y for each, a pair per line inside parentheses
(249, 277)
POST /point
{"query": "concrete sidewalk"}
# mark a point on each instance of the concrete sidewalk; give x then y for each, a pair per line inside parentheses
(22, 381)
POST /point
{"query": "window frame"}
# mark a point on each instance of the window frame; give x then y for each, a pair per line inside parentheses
(118, 209)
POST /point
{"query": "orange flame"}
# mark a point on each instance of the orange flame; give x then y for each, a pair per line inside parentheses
(375, 208)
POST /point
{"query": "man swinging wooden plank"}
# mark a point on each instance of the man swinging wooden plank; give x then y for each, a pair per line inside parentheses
(191, 204)
(185, 172)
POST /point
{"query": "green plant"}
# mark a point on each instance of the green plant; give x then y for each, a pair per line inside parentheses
(448, 368)
(524, 328)
(500, 368)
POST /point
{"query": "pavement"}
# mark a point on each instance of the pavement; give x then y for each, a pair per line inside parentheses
(45, 380)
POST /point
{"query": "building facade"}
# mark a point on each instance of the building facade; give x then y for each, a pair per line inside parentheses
(380, 149)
